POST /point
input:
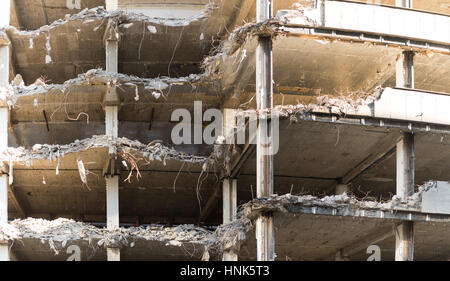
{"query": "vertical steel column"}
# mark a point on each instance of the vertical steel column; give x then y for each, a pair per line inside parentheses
(264, 166)
(404, 232)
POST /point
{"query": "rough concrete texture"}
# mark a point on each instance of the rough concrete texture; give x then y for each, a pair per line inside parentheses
(152, 151)
(233, 234)
(8, 233)
(75, 44)
(31, 14)
(356, 102)
(95, 77)
(311, 61)
(60, 232)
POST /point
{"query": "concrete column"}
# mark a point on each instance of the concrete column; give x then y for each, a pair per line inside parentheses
(112, 182)
(264, 160)
(112, 212)
(404, 3)
(229, 200)
(405, 166)
(404, 241)
(229, 204)
(111, 114)
(405, 70)
(341, 189)
(112, 5)
(111, 106)
(112, 130)
(229, 122)
(265, 238)
(404, 232)
(4, 249)
(4, 116)
(340, 256)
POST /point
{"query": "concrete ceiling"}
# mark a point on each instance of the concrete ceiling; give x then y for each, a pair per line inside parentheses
(144, 250)
(149, 47)
(432, 152)
(167, 192)
(315, 237)
(145, 119)
(308, 67)
(315, 156)
(33, 14)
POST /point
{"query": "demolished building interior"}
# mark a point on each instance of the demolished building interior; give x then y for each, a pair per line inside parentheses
(90, 171)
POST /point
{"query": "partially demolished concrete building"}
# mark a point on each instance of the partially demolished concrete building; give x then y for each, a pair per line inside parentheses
(90, 171)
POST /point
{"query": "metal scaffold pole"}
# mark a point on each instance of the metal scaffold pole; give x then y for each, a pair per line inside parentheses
(264, 158)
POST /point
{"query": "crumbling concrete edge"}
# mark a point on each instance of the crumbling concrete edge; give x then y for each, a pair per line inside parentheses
(95, 77)
(58, 233)
(153, 151)
(231, 236)
(281, 25)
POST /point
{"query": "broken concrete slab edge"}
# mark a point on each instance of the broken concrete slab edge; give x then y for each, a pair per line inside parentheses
(233, 234)
(153, 151)
(119, 16)
(225, 238)
(60, 232)
(280, 27)
(9, 95)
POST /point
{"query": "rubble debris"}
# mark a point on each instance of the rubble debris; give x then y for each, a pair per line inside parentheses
(230, 236)
(211, 64)
(154, 86)
(8, 233)
(355, 103)
(226, 237)
(58, 233)
(153, 151)
(121, 17)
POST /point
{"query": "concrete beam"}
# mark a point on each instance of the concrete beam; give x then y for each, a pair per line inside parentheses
(360, 245)
(382, 149)
(349, 15)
